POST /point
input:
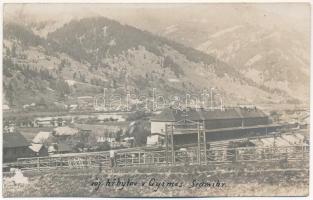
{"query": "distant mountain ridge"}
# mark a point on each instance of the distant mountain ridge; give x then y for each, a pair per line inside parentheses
(266, 44)
(96, 53)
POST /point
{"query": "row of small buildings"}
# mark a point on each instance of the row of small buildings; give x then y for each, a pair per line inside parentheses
(218, 124)
(61, 140)
(15, 145)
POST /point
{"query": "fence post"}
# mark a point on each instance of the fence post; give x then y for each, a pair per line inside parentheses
(125, 159)
(166, 144)
(199, 147)
(38, 164)
(172, 145)
(204, 141)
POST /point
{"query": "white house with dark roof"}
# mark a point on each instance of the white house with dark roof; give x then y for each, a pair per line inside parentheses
(166, 117)
(38, 150)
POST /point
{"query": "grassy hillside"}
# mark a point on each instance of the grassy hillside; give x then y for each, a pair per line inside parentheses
(85, 56)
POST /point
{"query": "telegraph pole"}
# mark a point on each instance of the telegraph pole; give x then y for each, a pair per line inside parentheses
(172, 144)
(211, 94)
(169, 145)
(199, 145)
(166, 144)
(204, 140)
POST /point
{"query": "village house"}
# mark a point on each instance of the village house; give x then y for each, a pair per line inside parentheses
(49, 122)
(64, 132)
(155, 139)
(25, 122)
(42, 137)
(111, 132)
(20, 122)
(128, 141)
(40, 143)
(44, 122)
(15, 146)
(107, 137)
(63, 147)
(39, 150)
(8, 126)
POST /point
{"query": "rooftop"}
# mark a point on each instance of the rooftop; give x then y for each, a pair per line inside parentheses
(65, 131)
(174, 115)
(13, 140)
(36, 147)
(41, 137)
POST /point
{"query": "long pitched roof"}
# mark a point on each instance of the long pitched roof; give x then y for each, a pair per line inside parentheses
(168, 115)
(12, 140)
(172, 115)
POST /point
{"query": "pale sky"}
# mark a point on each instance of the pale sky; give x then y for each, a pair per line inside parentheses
(52, 11)
(156, 17)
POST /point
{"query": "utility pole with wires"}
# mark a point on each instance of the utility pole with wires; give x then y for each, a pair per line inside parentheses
(169, 144)
(193, 127)
(202, 150)
(211, 95)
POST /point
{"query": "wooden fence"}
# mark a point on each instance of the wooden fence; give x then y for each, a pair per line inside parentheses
(181, 157)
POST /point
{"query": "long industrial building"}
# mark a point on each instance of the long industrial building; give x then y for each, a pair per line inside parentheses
(218, 124)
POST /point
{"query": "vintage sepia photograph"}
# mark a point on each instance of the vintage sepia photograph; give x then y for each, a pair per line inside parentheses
(156, 99)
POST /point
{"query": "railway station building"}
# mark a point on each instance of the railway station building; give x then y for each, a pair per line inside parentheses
(219, 124)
